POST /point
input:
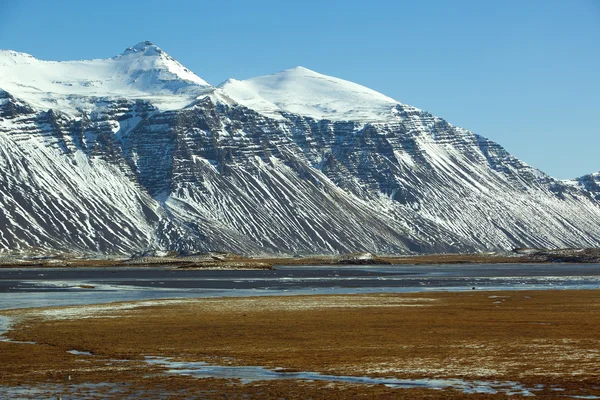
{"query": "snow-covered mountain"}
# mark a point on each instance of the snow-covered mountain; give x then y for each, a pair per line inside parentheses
(143, 71)
(137, 153)
(589, 183)
(304, 92)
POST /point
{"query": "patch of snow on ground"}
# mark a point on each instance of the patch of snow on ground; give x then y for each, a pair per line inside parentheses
(102, 310)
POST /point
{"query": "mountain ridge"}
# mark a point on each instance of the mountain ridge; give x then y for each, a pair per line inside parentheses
(140, 72)
(199, 170)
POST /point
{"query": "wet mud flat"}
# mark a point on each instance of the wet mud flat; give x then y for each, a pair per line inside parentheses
(30, 287)
(411, 345)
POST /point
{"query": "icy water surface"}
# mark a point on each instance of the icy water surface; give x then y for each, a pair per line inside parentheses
(21, 288)
(247, 374)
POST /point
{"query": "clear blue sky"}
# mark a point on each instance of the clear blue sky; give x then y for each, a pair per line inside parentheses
(522, 73)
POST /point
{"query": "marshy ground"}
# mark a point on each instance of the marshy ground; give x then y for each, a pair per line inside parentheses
(545, 340)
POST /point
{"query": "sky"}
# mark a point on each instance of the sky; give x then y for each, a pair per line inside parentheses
(525, 74)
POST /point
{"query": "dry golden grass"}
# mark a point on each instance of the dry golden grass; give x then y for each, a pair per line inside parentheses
(534, 337)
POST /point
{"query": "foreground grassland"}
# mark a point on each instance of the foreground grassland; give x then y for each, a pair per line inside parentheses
(549, 338)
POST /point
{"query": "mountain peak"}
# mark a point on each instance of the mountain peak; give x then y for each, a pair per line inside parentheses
(299, 68)
(302, 91)
(143, 71)
(146, 48)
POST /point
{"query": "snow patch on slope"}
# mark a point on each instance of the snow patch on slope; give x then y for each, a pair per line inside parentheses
(308, 93)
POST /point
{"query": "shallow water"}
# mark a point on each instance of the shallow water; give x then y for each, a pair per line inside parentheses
(247, 374)
(23, 288)
(5, 324)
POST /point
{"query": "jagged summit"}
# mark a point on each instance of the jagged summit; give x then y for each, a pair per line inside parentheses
(147, 56)
(146, 47)
(143, 71)
(305, 92)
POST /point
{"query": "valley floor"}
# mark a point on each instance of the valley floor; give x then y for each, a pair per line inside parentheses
(544, 343)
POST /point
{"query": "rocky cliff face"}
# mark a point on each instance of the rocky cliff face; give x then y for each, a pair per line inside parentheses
(588, 183)
(238, 168)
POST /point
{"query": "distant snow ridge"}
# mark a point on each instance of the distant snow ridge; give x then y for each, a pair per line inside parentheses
(136, 153)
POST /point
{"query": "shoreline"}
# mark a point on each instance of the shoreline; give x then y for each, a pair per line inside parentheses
(25, 288)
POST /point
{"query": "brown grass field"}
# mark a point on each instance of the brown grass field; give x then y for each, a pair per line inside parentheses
(549, 338)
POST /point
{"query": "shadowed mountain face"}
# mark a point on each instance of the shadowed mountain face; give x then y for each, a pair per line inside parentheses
(239, 168)
(589, 183)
